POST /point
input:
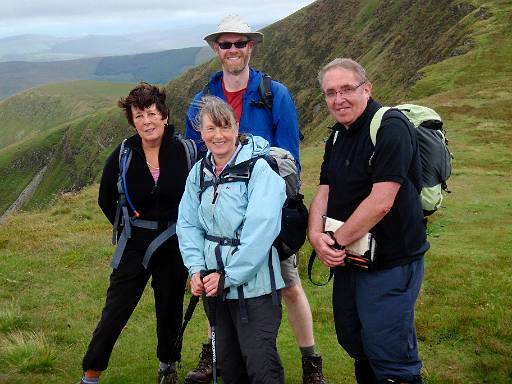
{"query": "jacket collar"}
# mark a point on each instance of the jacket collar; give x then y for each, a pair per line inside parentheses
(216, 81)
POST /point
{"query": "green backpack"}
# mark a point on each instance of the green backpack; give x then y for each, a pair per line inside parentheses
(436, 158)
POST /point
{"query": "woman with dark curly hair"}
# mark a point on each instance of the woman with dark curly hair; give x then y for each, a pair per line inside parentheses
(139, 193)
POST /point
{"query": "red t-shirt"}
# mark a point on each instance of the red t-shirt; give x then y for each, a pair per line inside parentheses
(235, 100)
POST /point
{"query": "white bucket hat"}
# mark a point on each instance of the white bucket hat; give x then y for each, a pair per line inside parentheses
(233, 24)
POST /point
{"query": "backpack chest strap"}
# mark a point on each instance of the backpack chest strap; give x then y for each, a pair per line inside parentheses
(223, 241)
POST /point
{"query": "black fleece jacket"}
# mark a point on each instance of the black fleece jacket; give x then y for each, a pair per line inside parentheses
(154, 201)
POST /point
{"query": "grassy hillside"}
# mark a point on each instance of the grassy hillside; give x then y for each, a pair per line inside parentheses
(74, 152)
(43, 108)
(157, 67)
(37, 127)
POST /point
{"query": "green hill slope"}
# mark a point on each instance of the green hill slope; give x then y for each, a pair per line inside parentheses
(73, 152)
(39, 109)
(52, 125)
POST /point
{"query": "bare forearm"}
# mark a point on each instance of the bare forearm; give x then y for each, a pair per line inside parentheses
(317, 209)
(368, 213)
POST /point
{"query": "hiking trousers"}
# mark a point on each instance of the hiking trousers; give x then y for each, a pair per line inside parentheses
(374, 318)
(127, 284)
(247, 352)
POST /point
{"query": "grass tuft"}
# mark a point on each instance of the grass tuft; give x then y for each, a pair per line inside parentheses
(11, 318)
(27, 352)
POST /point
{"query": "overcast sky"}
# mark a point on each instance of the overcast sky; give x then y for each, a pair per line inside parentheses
(82, 17)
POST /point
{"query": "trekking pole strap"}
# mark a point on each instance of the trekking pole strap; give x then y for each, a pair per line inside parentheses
(188, 316)
(244, 317)
(310, 270)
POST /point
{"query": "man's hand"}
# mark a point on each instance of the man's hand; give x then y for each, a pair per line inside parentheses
(211, 284)
(322, 243)
(196, 284)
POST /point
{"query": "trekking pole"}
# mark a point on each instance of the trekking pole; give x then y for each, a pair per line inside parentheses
(188, 315)
(212, 317)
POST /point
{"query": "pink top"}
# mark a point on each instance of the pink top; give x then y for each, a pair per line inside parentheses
(155, 174)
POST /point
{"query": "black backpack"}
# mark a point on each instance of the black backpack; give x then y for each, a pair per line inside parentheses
(294, 219)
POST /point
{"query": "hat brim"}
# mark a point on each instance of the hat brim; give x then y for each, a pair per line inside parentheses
(257, 37)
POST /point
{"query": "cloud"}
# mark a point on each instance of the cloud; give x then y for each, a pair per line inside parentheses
(63, 9)
(72, 18)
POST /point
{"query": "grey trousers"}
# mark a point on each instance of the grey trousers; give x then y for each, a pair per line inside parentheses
(247, 352)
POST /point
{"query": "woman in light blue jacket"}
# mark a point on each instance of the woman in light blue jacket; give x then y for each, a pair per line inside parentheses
(228, 219)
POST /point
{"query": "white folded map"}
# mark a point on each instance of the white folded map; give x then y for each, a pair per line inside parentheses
(359, 247)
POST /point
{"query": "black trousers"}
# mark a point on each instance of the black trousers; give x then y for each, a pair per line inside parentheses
(247, 352)
(127, 284)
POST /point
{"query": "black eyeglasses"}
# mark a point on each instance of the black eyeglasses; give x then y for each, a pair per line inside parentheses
(237, 44)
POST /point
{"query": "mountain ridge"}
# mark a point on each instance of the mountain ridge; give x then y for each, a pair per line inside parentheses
(155, 67)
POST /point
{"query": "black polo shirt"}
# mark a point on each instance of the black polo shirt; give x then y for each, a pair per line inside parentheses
(347, 169)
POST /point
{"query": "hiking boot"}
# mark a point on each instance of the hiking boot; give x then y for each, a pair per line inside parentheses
(203, 373)
(312, 370)
(167, 376)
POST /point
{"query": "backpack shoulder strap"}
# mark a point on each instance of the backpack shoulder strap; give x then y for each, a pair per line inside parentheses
(265, 90)
(376, 122)
(125, 156)
(201, 175)
(190, 148)
(272, 162)
(124, 150)
(238, 172)
(206, 89)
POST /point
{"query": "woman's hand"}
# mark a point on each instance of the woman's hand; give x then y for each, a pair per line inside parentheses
(323, 243)
(196, 284)
(211, 284)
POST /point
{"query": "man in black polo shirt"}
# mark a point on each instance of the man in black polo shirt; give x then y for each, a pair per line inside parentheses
(376, 190)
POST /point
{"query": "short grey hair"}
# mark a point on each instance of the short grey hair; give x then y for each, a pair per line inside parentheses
(344, 63)
(220, 113)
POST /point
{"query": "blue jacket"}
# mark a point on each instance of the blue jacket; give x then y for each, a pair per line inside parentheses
(250, 212)
(255, 118)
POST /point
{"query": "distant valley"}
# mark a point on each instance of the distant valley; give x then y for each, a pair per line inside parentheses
(157, 67)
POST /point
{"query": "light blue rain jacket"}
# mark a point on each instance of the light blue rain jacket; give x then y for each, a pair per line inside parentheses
(250, 212)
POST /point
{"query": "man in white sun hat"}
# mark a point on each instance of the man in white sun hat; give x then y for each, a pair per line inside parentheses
(275, 119)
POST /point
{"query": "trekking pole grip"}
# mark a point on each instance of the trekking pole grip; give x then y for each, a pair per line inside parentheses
(212, 310)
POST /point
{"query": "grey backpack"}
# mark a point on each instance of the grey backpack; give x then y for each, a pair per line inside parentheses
(435, 156)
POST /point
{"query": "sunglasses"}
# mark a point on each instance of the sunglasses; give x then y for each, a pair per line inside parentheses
(237, 44)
